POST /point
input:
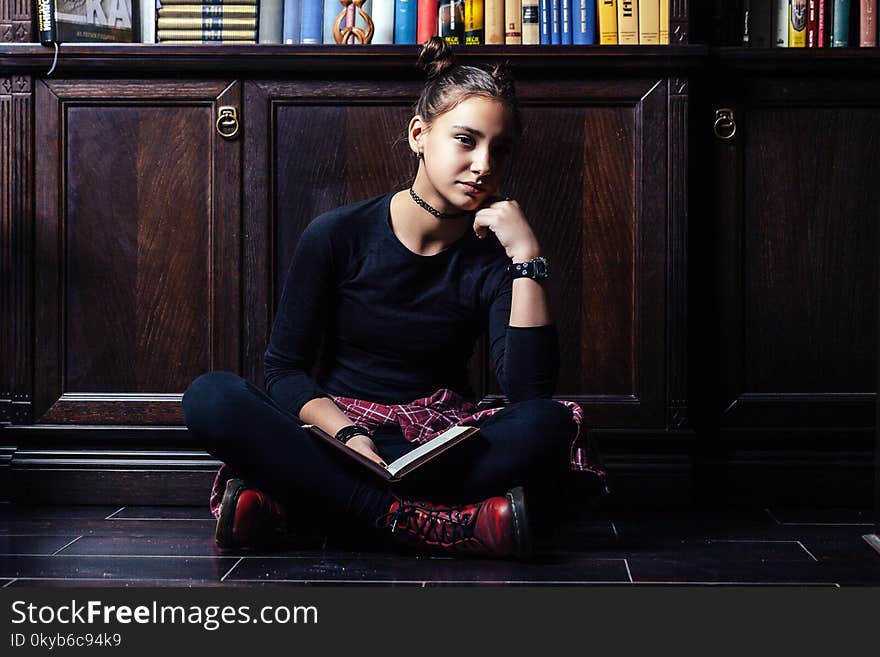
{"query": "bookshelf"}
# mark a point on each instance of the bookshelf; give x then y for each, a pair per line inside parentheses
(659, 228)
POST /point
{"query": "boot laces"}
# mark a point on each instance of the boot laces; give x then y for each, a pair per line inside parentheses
(444, 525)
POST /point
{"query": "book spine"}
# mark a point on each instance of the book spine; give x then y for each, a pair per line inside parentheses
(531, 23)
(664, 22)
(565, 27)
(820, 26)
(780, 21)
(512, 22)
(207, 35)
(382, 13)
(199, 3)
(148, 20)
(292, 21)
(608, 22)
(583, 19)
(746, 23)
(46, 25)
(840, 24)
(207, 11)
(450, 22)
(426, 21)
(554, 23)
(331, 12)
(405, 18)
(546, 22)
(761, 24)
(628, 22)
(812, 24)
(797, 24)
(207, 23)
(649, 22)
(474, 33)
(493, 22)
(271, 23)
(868, 24)
(312, 22)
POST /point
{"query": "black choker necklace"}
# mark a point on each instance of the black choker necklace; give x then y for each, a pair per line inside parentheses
(440, 215)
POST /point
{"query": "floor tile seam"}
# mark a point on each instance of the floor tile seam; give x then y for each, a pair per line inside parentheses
(118, 556)
(222, 579)
(10, 583)
(804, 547)
(114, 513)
(628, 572)
(431, 582)
(212, 520)
(735, 583)
(54, 554)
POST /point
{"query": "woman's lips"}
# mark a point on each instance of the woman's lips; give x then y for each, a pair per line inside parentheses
(472, 188)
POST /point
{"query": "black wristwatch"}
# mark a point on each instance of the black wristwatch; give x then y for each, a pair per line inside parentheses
(536, 268)
(347, 433)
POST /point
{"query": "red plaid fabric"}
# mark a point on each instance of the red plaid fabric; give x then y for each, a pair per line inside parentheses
(425, 418)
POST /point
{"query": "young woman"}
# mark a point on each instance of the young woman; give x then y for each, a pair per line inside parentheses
(398, 289)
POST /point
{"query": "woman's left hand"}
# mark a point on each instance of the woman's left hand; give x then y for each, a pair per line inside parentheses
(505, 218)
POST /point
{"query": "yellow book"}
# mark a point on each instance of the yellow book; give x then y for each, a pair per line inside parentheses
(473, 23)
(493, 18)
(607, 22)
(797, 23)
(628, 22)
(649, 21)
(664, 22)
(208, 23)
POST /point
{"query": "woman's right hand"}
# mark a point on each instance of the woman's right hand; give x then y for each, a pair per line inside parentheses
(365, 446)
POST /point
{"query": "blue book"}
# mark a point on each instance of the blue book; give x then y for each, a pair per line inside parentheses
(565, 22)
(544, 17)
(292, 21)
(583, 22)
(555, 32)
(405, 14)
(312, 24)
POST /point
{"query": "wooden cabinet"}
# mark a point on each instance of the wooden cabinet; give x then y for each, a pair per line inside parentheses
(160, 247)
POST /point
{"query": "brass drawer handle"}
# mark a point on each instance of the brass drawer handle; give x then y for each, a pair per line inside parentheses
(725, 124)
(227, 122)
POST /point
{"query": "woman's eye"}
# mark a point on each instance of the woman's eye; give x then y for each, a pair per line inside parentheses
(466, 140)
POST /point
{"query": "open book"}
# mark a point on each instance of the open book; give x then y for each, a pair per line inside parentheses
(401, 467)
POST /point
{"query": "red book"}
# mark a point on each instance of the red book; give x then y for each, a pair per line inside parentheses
(812, 24)
(821, 10)
(426, 20)
(868, 24)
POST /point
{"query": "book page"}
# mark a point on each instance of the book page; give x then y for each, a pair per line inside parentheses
(422, 450)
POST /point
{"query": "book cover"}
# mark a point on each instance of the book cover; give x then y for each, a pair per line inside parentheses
(565, 37)
(493, 22)
(148, 19)
(628, 22)
(780, 23)
(822, 36)
(426, 20)
(292, 29)
(531, 23)
(406, 13)
(512, 22)
(545, 22)
(473, 23)
(607, 22)
(271, 24)
(664, 22)
(868, 24)
(312, 22)
(555, 32)
(583, 20)
(77, 21)
(797, 24)
(840, 23)
(649, 22)
(47, 28)
(450, 22)
(409, 462)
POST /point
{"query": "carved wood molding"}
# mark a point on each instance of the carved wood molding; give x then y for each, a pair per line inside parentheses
(16, 24)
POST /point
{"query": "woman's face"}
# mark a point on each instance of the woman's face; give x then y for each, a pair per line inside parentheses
(466, 152)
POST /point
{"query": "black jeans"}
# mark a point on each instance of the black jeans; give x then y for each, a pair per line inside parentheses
(527, 443)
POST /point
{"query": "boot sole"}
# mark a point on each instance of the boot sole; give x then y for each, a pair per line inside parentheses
(517, 498)
(225, 523)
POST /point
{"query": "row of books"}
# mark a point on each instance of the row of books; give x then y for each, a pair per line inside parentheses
(807, 23)
(460, 22)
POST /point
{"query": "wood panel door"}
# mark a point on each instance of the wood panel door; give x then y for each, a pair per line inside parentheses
(137, 247)
(591, 174)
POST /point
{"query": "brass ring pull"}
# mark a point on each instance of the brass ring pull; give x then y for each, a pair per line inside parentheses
(227, 122)
(725, 124)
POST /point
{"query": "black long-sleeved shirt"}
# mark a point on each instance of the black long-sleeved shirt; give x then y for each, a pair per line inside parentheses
(395, 325)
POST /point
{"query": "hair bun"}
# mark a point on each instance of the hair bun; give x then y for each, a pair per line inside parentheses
(436, 57)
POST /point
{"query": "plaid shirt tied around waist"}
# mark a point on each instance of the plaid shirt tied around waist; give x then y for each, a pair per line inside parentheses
(423, 419)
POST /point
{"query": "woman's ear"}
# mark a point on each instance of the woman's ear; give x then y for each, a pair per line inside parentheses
(416, 133)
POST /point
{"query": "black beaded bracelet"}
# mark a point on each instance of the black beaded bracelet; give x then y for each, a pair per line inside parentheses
(347, 433)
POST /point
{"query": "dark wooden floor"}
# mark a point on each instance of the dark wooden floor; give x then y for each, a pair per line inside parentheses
(174, 546)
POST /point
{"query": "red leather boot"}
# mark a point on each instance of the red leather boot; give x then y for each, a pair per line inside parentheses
(495, 527)
(249, 518)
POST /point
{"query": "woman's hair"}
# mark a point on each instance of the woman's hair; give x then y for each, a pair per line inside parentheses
(450, 83)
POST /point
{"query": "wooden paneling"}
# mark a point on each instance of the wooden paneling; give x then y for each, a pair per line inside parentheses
(138, 247)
